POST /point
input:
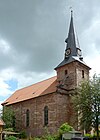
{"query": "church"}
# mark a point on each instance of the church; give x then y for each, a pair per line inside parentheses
(47, 104)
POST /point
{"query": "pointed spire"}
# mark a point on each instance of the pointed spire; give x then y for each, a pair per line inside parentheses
(72, 51)
(72, 40)
(71, 13)
(71, 28)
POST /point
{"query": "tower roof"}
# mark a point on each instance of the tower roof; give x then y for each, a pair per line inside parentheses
(72, 51)
(72, 40)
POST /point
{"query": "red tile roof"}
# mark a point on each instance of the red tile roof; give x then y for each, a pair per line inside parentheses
(35, 90)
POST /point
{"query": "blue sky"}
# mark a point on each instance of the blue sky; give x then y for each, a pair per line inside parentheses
(7, 88)
(12, 83)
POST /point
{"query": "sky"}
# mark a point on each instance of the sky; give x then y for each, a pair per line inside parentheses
(32, 39)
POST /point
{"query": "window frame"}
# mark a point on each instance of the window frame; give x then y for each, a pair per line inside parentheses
(45, 115)
(27, 118)
(82, 73)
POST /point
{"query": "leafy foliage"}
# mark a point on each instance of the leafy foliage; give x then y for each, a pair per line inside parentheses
(9, 129)
(48, 137)
(8, 117)
(88, 135)
(23, 135)
(11, 138)
(87, 103)
(37, 138)
(65, 128)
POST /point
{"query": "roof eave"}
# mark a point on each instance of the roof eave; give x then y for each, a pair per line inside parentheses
(28, 99)
(73, 60)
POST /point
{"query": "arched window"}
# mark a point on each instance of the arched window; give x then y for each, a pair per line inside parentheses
(82, 73)
(45, 115)
(27, 117)
(13, 121)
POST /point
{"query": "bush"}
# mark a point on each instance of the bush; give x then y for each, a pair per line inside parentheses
(11, 138)
(23, 135)
(65, 128)
(88, 135)
(93, 137)
(47, 137)
(9, 129)
(37, 138)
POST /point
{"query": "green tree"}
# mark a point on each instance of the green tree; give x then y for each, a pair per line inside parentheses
(87, 103)
(96, 103)
(8, 117)
(65, 128)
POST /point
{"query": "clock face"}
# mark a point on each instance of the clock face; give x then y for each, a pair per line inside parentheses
(67, 52)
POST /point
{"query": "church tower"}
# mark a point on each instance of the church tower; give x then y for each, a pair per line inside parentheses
(72, 70)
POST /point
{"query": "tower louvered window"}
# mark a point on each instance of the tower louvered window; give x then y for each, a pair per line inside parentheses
(45, 115)
(66, 72)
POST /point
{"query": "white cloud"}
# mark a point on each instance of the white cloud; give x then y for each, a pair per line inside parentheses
(93, 63)
(1, 107)
(29, 78)
(4, 88)
(8, 73)
(91, 45)
(4, 46)
(2, 84)
(5, 75)
(23, 79)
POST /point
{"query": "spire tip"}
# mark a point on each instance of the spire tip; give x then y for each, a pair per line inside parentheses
(71, 11)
